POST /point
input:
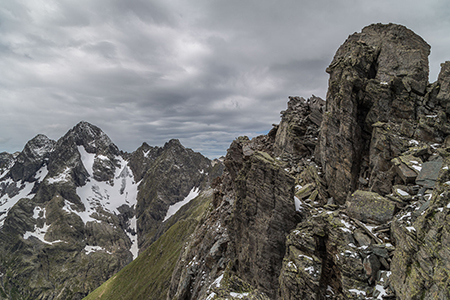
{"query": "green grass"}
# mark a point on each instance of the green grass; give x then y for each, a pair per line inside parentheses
(148, 276)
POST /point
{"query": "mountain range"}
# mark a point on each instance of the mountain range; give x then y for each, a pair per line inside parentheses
(347, 198)
(75, 211)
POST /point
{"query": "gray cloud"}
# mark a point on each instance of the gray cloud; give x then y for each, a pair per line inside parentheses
(201, 71)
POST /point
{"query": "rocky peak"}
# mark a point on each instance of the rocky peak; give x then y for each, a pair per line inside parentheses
(297, 132)
(88, 209)
(6, 162)
(443, 96)
(172, 173)
(92, 138)
(371, 206)
(79, 143)
(173, 143)
(142, 159)
(32, 158)
(378, 75)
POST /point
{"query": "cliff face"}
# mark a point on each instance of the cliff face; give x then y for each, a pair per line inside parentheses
(354, 209)
(378, 75)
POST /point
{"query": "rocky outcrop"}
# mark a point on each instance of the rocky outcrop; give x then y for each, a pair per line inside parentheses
(297, 132)
(378, 75)
(262, 215)
(239, 248)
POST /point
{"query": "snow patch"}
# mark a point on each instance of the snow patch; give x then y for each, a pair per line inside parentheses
(310, 270)
(418, 168)
(36, 212)
(90, 249)
(6, 203)
(402, 192)
(382, 291)
(62, 177)
(87, 159)
(217, 282)
(238, 295)
(102, 194)
(175, 207)
(39, 233)
(292, 265)
(41, 173)
(84, 215)
(410, 228)
(134, 249)
(298, 204)
(357, 292)
(348, 227)
(307, 257)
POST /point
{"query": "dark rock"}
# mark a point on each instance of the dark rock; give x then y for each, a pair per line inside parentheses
(362, 238)
(429, 173)
(371, 266)
(262, 216)
(6, 162)
(31, 159)
(370, 207)
(47, 248)
(170, 178)
(371, 78)
(444, 87)
(298, 130)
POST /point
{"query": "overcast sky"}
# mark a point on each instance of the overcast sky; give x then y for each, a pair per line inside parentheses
(202, 71)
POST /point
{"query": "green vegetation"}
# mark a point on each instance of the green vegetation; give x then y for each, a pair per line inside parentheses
(148, 276)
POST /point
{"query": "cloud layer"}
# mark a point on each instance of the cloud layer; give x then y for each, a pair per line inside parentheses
(201, 71)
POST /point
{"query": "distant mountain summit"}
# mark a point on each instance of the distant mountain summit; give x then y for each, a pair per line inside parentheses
(75, 211)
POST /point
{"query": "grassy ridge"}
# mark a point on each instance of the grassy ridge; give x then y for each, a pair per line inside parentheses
(148, 276)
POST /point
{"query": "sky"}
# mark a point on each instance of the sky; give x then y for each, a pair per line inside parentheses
(201, 71)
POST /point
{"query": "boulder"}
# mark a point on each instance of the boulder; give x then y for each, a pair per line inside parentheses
(429, 173)
(370, 207)
(407, 167)
(371, 266)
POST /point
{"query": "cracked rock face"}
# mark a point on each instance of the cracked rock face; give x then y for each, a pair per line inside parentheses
(377, 75)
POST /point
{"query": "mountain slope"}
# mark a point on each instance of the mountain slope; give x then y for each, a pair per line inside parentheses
(148, 277)
(71, 210)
